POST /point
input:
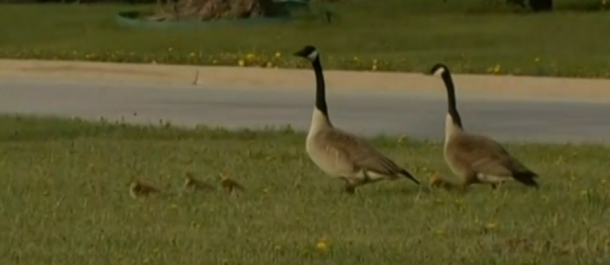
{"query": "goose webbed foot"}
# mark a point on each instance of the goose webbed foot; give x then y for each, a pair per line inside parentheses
(350, 189)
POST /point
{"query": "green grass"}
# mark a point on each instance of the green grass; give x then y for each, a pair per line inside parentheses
(472, 36)
(64, 200)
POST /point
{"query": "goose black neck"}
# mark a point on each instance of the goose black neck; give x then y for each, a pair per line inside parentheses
(320, 87)
(452, 108)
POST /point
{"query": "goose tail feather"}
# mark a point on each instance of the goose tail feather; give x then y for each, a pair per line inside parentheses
(408, 175)
(528, 178)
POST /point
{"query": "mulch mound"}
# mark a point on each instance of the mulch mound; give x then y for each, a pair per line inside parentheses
(216, 9)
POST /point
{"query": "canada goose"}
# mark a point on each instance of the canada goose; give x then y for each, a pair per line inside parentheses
(342, 154)
(230, 184)
(139, 189)
(477, 158)
(191, 183)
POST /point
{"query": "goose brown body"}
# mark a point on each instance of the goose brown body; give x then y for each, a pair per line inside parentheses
(341, 154)
(191, 183)
(230, 184)
(139, 189)
(477, 158)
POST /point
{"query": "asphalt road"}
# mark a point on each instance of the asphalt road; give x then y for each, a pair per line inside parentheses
(367, 113)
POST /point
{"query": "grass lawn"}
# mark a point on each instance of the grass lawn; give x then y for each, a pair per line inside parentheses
(64, 200)
(471, 36)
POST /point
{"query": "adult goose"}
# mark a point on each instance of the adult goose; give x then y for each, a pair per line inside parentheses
(476, 158)
(338, 153)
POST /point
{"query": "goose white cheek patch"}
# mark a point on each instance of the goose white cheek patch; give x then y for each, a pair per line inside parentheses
(313, 55)
(439, 71)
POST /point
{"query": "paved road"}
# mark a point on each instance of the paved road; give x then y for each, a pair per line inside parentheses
(362, 112)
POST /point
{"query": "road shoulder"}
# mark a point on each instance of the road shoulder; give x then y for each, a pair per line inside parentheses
(498, 87)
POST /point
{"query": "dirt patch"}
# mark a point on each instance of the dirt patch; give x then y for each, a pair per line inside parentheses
(205, 10)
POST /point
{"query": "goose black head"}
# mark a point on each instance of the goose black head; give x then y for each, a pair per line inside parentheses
(308, 52)
(439, 69)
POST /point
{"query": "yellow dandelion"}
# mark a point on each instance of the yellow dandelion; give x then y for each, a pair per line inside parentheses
(278, 55)
(250, 56)
(321, 245)
(497, 68)
(241, 63)
(491, 225)
(192, 54)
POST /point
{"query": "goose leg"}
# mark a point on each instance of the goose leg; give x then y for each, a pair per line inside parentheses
(464, 187)
(469, 180)
(498, 185)
(366, 178)
(350, 186)
(353, 183)
(350, 189)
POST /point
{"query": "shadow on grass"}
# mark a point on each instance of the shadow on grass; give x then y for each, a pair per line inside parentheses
(522, 7)
(34, 128)
(584, 6)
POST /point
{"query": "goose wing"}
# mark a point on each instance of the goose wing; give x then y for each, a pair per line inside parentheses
(487, 156)
(361, 154)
